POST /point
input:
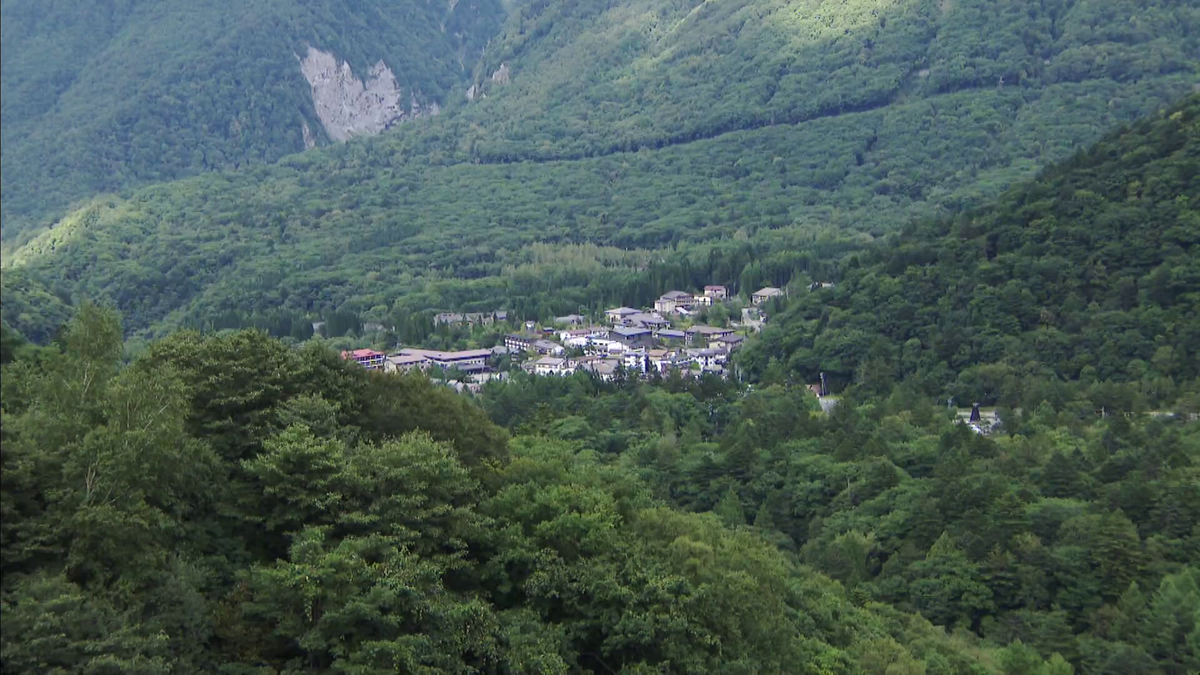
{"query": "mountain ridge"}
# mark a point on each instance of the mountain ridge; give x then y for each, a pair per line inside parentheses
(430, 216)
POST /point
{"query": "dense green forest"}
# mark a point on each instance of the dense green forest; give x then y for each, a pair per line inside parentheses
(181, 494)
(611, 145)
(1090, 273)
(1067, 533)
(228, 504)
(102, 96)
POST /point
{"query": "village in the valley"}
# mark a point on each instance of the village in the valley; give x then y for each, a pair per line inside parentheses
(624, 342)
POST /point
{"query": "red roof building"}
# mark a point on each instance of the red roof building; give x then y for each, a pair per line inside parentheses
(367, 358)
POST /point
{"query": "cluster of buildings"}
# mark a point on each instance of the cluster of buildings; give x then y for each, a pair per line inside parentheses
(467, 361)
(631, 341)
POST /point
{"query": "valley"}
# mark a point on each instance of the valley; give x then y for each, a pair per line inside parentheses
(829, 337)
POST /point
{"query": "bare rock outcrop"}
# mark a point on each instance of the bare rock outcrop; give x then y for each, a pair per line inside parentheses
(309, 141)
(348, 106)
(502, 75)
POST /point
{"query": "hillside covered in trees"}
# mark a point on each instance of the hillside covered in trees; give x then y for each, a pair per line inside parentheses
(597, 124)
(1088, 273)
(228, 504)
(101, 97)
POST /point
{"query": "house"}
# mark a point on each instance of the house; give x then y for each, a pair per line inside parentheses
(635, 360)
(705, 333)
(660, 359)
(763, 295)
(547, 347)
(500, 315)
(518, 343)
(570, 320)
(701, 301)
(676, 362)
(447, 318)
(405, 362)
(645, 320)
(716, 292)
(818, 285)
(709, 360)
(631, 336)
(731, 341)
(669, 301)
(605, 369)
(576, 341)
(367, 358)
(670, 336)
(573, 333)
(604, 346)
(618, 315)
(550, 365)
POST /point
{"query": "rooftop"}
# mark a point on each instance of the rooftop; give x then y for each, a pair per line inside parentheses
(361, 354)
(407, 359)
(435, 355)
(646, 317)
(709, 330)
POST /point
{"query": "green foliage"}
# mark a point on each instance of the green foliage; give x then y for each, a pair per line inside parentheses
(103, 98)
(1084, 274)
(228, 502)
(905, 506)
(182, 514)
(52, 625)
(751, 144)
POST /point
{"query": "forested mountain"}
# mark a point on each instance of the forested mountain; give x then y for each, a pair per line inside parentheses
(228, 504)
(1065, 534)
(102, 96)
(1089, 272)
(733, 143)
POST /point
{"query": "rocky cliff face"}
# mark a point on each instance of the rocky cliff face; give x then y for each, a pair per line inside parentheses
(348, 106)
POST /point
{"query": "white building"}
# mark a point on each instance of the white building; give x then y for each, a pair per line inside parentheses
(550, 365)
(764, 294)
(619, 314)
(670, 301)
